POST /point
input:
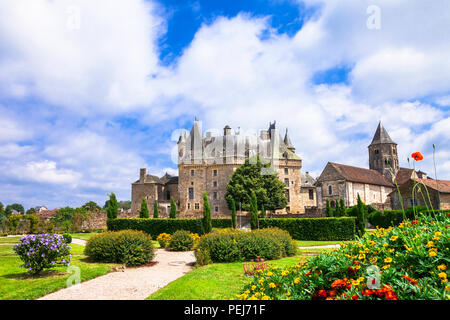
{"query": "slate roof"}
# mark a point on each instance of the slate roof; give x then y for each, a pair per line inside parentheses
(362, 175)
(381, 136)
(307, 180)
(403, 175)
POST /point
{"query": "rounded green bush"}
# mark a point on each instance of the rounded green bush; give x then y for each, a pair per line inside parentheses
(181, 241)
(132, 248)
(67, 237)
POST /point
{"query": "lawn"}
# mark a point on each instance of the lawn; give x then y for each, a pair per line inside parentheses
(217, 281)
(16, 284)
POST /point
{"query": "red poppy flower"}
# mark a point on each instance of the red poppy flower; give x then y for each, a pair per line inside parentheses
(417, 156)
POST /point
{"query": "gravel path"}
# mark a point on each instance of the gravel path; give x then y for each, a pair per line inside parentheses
(131, 283)
(328, 246)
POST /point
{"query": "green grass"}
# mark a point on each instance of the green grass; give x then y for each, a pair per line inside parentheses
(16, 284)
(217, 281)
(9, 239)
(83, 236)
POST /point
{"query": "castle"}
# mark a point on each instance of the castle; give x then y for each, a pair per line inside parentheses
(206, 163)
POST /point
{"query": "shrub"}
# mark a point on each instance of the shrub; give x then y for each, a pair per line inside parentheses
(129, 247)
(314, 228)
(181, 240)
(236, 245)
(406, 262)
(202, 257)
(207, 224)
(155, 227)
(67, 237)
(42, 251)
(164, 239)
(221, 223)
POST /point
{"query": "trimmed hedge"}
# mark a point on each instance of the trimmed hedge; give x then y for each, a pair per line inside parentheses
(395, 217)
(155, 227)
(342, 228)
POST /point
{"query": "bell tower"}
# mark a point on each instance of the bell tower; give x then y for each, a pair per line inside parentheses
(383, 155)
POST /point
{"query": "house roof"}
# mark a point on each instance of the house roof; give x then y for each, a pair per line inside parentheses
(442, 186)
(362, 175)
(403, 175)
(381, 136)
(307, 180)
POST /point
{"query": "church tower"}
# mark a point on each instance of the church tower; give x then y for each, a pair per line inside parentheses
(383, 155)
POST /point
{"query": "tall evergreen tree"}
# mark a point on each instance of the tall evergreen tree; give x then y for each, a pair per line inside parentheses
(173, 209)
(207, 223)
(233, 214)
(360, 216)
(328, 211)
(113, 209)
(144, 213)
(263, 212)
(342, 207)
(253, 211)
(155, 209)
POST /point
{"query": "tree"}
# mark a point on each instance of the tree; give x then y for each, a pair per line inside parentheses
(91, 206)
(173, 209)
(233, 214)
(18, 207)
(341, 207)
(112, 210)
(254, 212)
(268, 188)
(263, 212)
(360, 216)
(144, 213)
(207, 223)
(328, 211)
(155, 209)
(2, 209)
(31, 211)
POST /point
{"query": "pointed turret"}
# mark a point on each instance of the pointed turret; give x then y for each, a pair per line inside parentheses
(381, 136)
(287, 141)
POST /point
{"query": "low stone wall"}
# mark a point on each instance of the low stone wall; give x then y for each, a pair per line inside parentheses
(98, 219)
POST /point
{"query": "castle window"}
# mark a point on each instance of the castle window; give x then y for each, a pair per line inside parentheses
(332, 204)
(215, 173)
(168, 195)
(189, 206)
(286, 170)
(216, 209)
(191, 193)
(377, 151)
(214, 183)
(215, 195)
(287, 196)
(311, 194)
(197, 206)
(286, 181)
(192, 173)
(330, 190)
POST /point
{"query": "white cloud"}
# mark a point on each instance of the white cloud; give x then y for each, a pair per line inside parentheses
(46, 172)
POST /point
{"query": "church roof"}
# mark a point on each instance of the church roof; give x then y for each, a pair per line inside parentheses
(361, 175)
(381, 136)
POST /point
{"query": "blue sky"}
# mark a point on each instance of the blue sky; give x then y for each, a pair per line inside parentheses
(91, 91)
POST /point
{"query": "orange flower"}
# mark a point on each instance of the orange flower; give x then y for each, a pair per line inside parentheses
(417, 156)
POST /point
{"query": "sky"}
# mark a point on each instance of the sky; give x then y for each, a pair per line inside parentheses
(92, 91)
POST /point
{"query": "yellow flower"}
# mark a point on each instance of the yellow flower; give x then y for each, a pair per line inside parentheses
(265, 298)
(442, 275)
(253, 287)
(385, 244)
(386, 266)
(373, 259)
(284, 273)
(362, 256)
(269, 274)
(247, 292)
(261, 281)
(430, 244)
(252, 298)
(388, 260)
(436, 238)
(447, 288)
(438, 234)
(371, 242)
(393, 238)
(391, 250)
(272, 285)
(442, 267)
(296, 280)
(432, 253)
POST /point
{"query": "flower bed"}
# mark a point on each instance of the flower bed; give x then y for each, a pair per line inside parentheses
(406, 262)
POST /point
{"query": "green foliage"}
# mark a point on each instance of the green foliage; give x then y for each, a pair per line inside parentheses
(155, 209)
(173, 209)
(360, 216)
(155, 227)
(269, 190)
(202, 257)
(112, 210)
(328, 211)
(18, 207)
(181, 240)
(18, 223)
(31, 211)
(130, 247)
(67, 237)
(314, 228)
(207, 224)
(91, 206)
(221, 223)
(254, 211)
(69, 219)
(144, 213)
(263, 212)
(236, 245)
(233, 214)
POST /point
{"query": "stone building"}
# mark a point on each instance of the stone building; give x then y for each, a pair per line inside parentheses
(206, 163)
(308, 191)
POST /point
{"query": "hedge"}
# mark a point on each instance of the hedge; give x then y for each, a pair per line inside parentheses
(155, 227)
(342, 228)
(395, 217)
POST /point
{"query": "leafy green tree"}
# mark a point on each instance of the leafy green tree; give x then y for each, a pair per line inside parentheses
(144, 213)
(91, 206)
(360, 216)
(155, 209)
(254, 212)
(18, 207)
(233, 214)
(328, 211)
(207, 223)
(31, 211)
(125, 205)
(263, 212)
(173, 209)
(269, 190)
(112, 210)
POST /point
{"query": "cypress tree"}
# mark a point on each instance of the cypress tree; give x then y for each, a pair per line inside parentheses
(155, 210)
(113, 207)
(144, 213)
(253, 211)
(233, 214)
(341, 207)
(360, 216)
(263, 212)
(207, 224)
(173, 209)
(328, 212)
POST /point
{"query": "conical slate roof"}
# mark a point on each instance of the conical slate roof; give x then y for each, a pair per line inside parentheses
(381, 136)
(287, 140)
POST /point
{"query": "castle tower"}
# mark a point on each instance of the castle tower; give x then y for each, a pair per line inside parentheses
(287, 142)
(383, 155)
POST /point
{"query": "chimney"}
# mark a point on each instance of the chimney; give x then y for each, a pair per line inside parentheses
(142, 175)
(264, 135)
(227, 130)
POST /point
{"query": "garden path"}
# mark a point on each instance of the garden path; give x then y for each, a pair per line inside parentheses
(131, 283)
(328, 246)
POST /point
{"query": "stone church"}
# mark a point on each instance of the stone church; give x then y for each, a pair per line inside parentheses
(206, 163)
